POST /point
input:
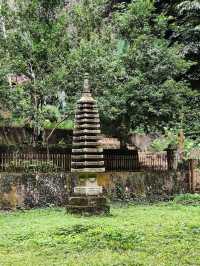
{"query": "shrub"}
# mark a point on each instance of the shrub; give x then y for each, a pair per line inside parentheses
(188, 199)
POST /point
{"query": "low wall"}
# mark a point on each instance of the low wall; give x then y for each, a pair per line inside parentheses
(32, 190)
(143, 185)
(38, 190)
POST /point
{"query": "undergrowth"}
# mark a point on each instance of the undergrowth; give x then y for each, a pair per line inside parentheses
(188, 199)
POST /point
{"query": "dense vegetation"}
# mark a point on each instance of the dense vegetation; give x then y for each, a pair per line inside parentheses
(142, 56)
(134, 235)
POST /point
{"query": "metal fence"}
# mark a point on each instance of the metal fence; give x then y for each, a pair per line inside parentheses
(115, 160)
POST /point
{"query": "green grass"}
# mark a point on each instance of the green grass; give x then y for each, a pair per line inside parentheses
(163, 234)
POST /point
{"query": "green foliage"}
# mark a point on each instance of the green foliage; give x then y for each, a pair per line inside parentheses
(86, 236)
(147, 93)
(51, 113)
(189, 32)
(188, 199)
(183, 28)
(35, 38)
(66, 124)
(188, 146)
(169, 140)
(136, 73)
(160, 144)
(87, 17)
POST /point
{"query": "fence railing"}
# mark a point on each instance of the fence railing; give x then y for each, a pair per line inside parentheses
(34, 161)
(114, 161)
(121, 162)
(155, 161)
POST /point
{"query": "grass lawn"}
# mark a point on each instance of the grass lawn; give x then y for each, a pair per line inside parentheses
(163, 234)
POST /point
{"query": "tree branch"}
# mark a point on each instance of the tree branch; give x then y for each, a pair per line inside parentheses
(52, 131)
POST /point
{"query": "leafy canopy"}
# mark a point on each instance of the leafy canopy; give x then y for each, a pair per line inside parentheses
(137, 74)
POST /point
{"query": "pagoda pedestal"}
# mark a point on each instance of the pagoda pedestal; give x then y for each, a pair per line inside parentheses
(87, 204)
(87, 197)
(87, 158)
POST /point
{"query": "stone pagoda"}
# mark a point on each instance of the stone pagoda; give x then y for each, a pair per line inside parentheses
(87, 157)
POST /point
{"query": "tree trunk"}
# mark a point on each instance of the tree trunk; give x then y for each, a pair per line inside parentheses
(51, 133)
(2, 24)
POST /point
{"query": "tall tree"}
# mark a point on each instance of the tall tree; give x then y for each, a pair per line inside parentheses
(150, 95)
(184, 28)
(36, 40)
(136, 72)
(132, 66)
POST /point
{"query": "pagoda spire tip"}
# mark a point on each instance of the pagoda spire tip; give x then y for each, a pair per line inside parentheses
(86, 87)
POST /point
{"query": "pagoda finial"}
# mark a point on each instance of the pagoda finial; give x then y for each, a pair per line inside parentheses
(86, 87)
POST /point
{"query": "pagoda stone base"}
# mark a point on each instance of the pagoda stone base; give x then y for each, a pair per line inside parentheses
(82, 204)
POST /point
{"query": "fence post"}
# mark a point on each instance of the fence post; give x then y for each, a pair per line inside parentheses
(191, 175)
(171, 159)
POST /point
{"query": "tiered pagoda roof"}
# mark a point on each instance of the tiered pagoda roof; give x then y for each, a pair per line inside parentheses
(87, 155)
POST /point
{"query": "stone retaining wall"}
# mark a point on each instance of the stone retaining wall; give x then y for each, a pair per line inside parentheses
(143, 185)
(25, 190)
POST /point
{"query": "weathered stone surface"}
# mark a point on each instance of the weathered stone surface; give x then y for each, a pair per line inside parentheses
(39, 190)
(86, 131)
(87, 204)
(87, 156)
(88, 191)
(84, 110)
(26, 190)
(78, 116)
(85, 105)
(88, 120)
(86, 135)
(87, 150)
(87, 170)
(88, 163)
(85, 143)
(85, 126)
